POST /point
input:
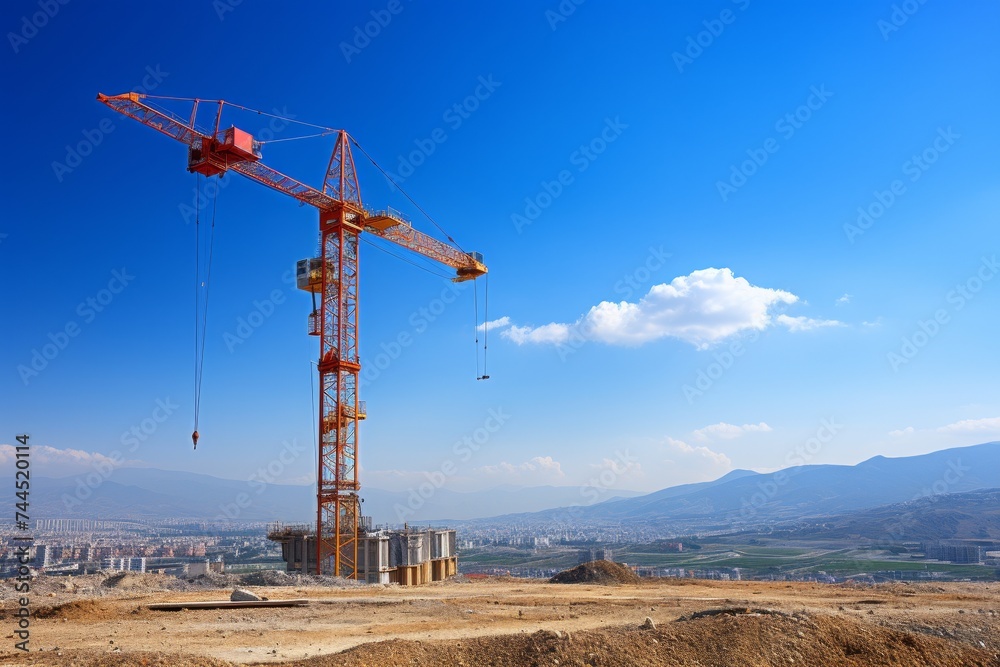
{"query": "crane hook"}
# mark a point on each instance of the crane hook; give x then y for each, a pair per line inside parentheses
(194, 439)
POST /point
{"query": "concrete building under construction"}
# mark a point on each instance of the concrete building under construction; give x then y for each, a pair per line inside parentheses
(409, 557)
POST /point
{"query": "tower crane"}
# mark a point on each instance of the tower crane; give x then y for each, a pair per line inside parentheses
(333, 275)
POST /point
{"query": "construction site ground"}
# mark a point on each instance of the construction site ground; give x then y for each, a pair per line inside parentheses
(102, 620)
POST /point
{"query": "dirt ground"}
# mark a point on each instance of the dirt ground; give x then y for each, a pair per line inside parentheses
(507, 622)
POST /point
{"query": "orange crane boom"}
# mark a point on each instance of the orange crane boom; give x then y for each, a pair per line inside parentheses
(333, 275)
(386, 224)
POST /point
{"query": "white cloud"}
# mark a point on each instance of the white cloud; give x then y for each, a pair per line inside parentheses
(548, 333)
(988, 425)
(537, 470)
(706, 455)
(876, 323)
(729, 431)
(702, 308)
(801, 323)
(55, 462)
(494, 324)
(619, 467)
(669, 461)
(900, 433)
(843, 300)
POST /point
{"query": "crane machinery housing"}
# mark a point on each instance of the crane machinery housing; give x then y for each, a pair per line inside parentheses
(341, 532)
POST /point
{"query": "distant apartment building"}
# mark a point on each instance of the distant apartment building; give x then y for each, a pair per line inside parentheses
(595, 553)
(113, 564)
(137, 564)
(43, 555)
(198, 568)
(954, 553)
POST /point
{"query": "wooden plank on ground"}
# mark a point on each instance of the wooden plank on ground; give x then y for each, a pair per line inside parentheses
(225, 604)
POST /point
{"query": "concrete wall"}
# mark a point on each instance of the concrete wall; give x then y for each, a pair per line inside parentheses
(373, 559)
(406, 557)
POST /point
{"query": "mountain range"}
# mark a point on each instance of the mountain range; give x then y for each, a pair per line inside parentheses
(744, 497)
(150, 493)
(974, 515)
(739, 499)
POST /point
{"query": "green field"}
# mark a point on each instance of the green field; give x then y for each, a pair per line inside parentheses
(241, 568)
(756, 560)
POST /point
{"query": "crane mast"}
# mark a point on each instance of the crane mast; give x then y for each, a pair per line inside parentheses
(334, 277)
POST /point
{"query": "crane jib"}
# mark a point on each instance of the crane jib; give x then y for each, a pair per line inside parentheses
(332, 279)
(213, 153)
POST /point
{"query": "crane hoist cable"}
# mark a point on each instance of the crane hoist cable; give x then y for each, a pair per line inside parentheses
(485, 326)
(201, 313)
(404, 259)
(326, 130)
(312, 404)
(148, 97)
(305, 136)
(202, 282)
(405, 194)
(475, 302)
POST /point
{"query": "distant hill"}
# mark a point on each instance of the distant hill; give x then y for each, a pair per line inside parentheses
(445, 506)
(745, 498)
(963, 516)
(150, 493)
(740, 499)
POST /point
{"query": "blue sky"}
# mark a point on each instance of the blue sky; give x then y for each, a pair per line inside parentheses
(720, 235)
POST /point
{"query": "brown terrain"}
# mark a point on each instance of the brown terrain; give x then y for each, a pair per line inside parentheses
(102, 620)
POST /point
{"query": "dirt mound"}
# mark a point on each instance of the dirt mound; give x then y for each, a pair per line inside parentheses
(115, 659)
(78, 610)
(719, 639)
(736, 611)
(712, 640)
(268, 578)
(597, 572)
(135, 581)
(496, 623)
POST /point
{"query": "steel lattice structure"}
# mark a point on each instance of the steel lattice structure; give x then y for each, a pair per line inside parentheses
(342, 219)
